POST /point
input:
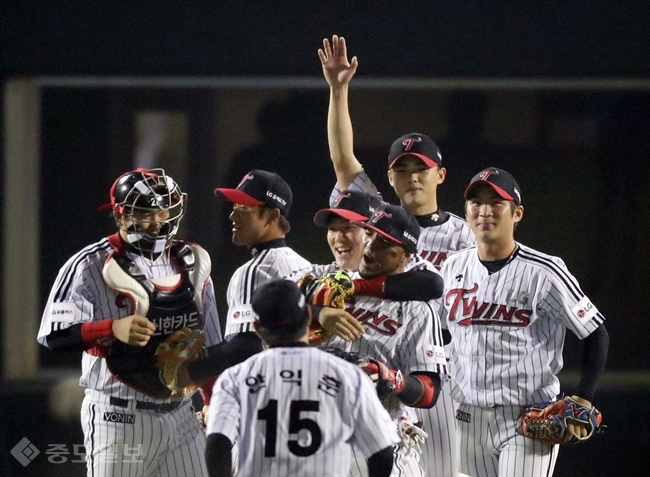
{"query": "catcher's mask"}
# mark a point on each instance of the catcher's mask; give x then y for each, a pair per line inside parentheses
(148, 205)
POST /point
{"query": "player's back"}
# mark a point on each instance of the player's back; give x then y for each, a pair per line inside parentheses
(300, 409)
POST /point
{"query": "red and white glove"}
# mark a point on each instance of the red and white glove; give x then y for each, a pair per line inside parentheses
(387, 381)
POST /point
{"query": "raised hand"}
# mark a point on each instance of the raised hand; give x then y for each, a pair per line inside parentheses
(338, 71)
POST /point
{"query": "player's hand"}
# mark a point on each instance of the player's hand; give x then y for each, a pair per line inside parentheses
(340, 323)
(134, 330)
(580, 430)
(338, 71)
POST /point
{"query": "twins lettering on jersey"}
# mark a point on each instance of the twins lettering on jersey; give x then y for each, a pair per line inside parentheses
(435, 258)
(378, 322)
(465, 310)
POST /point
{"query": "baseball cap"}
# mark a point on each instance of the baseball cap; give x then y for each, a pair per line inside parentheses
(396, 224)
(501, 181)
(353, 205)
(261, 187)
(279, 303)
(418, 145)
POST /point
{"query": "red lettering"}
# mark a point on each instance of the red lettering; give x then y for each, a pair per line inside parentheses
(505, 313)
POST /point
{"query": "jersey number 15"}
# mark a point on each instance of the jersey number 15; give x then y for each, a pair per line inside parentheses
(296, 424)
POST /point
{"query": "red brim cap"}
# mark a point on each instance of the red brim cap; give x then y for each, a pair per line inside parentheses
(104, 207)
(428, 161)
(323, 216)
(502, 193)
(379, 231)
(238, 197)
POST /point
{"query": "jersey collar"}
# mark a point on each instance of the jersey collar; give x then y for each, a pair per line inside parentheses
(439, 217)
(275, 243)
(297, 344)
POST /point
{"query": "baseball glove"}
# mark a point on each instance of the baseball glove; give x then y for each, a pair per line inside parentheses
(179, 349)
(329, 290)
(549, 422)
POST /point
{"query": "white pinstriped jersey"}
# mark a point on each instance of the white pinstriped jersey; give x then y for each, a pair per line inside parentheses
(404, 335)
(266, 265)
(80, 295)
(508, 327)
(437, 242)
(297, 411)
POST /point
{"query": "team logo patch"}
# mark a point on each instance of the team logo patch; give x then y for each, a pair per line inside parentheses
(463, 416)
(243, 314)
(584, 309)
(62, 312)
(120, 418)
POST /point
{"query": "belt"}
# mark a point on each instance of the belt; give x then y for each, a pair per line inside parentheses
(146, 406)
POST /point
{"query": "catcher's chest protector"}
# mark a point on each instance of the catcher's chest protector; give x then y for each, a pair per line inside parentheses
(169, 308)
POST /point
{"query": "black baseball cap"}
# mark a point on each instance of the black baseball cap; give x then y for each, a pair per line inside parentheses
(261, 187)
(279, 304)
(353, 205)
(396, 224)
(503, 183)
(418, 145)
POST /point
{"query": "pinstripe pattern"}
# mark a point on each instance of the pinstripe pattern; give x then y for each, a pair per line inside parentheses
(264, 266)
(153, 444)
(508, 331)
(404, 335)
(491, 447)
(518, 318)
(351, 414)
(80, 295)
(435, 244)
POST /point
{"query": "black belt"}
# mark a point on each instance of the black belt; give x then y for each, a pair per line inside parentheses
(146, 406)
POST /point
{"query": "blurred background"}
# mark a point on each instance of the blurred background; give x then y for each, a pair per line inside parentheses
(558, 93)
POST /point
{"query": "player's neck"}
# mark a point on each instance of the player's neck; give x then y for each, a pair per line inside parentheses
(425, 209)
(498, 250)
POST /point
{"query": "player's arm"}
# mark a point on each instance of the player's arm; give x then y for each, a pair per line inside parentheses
(218, 455)
(338, 72)
(380, 464)
(414, 285)
(419, 389)
(594, 357)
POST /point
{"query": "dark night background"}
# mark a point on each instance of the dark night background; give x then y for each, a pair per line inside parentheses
(586, 201)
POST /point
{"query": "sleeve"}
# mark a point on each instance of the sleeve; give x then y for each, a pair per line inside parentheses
(374, 430)
(422, 347)
(361, 183)
(225, 408)
(70, 301)
(566, 302)
(211, 314)
(315, 270)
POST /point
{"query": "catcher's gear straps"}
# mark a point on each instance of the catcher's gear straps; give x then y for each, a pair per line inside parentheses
(190, 257)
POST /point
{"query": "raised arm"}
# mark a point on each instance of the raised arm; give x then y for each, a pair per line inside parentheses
(338, 72)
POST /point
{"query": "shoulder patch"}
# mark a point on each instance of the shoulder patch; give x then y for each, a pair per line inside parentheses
(584, 309)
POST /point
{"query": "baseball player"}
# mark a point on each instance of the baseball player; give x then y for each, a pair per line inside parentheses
(345, 239)
(508, 307)
(157, 286)
(414, 171)
(294, 409)
(404, 338)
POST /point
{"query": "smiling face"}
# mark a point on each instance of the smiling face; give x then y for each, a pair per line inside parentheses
(416, 184)
(346, 243)
(381, 256)
(491, 217)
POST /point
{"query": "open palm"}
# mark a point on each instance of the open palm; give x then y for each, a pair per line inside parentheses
(338, 71)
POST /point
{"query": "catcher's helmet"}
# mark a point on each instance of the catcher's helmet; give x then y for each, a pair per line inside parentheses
(139, 197)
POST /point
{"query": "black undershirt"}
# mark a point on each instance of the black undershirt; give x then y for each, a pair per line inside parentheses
(438, 217)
